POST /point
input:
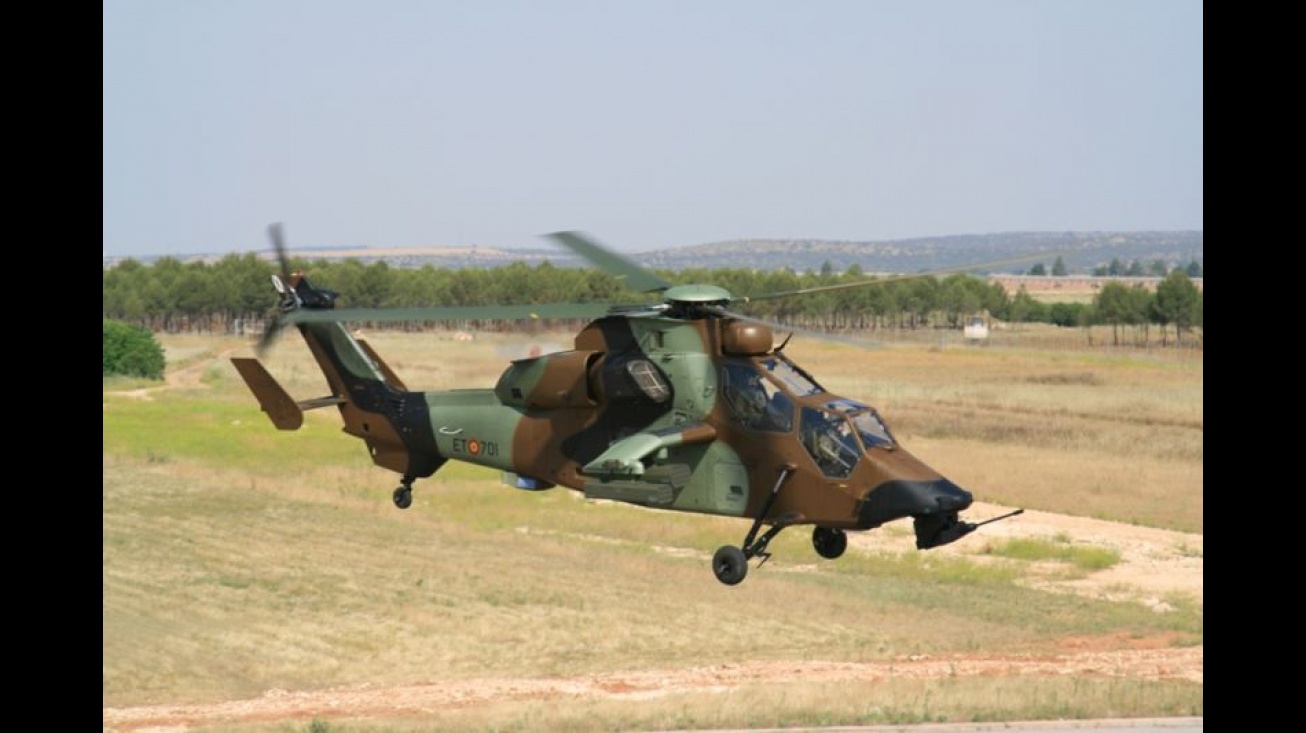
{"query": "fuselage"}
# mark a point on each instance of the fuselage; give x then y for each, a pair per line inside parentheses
(696, 415)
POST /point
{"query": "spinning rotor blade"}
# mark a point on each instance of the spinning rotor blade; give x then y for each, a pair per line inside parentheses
(864, 283)
(638, 278)
(898, 278)
(270, 333)
(279, 245)
(282, 283)
(559, 311)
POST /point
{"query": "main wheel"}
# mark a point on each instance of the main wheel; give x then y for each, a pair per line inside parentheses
(730, 565)
(829, 543)
(403, 497)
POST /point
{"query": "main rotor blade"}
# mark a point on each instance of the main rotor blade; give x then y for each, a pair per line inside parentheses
(638, 278)
(900, 278)
(542, 311)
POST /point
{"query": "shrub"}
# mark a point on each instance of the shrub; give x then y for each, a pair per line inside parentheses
(131, 351)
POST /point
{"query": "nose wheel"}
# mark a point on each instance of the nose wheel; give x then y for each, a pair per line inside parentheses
(730, 563)
(828, 542)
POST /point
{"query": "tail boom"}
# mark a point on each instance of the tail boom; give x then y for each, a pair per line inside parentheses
(374, 405)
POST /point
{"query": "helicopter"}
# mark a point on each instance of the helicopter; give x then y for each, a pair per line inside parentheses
(681, 405)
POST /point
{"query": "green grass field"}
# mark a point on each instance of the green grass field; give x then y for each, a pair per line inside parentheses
(239, 559)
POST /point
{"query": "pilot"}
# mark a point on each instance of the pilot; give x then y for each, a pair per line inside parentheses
(747, 396)
(779, 414)
(761, 408)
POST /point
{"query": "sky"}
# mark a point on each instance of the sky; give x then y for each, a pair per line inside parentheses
(648, 124)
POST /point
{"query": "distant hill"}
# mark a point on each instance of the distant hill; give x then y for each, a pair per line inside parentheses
(1080, 251)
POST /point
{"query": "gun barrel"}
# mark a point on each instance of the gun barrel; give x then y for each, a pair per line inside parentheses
(1004, 516)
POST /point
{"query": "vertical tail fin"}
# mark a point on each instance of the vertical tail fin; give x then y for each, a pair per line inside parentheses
(374, 403)
(390, 377)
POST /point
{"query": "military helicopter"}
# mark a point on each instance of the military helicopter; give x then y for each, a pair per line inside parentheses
(681, 405)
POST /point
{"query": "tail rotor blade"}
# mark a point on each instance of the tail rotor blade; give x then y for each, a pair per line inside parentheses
(270, 333)
(279, 244)
(284, 289)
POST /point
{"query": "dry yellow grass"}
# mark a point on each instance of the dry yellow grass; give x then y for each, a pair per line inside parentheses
(226, 578)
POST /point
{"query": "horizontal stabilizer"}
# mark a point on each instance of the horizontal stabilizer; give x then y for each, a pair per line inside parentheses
(281, 409)
(285, 413)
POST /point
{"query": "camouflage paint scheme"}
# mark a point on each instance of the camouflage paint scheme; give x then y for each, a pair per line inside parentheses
(682, 406)
(575, 419)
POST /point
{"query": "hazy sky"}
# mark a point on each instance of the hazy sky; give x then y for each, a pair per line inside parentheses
(648, 123)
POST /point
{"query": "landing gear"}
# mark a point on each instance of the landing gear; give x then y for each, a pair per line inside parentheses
(829, 542)
(403, 496)
(730, 563)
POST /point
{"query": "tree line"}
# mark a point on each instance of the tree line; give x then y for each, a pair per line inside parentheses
(235, 295)
(1117, 268)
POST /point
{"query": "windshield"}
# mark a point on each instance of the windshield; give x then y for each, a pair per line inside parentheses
(872, 429)
(829, 440)
(830, 435)
(868, 422)
(791, 375)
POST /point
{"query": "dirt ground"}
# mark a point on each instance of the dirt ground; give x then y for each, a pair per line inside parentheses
(1132, 658)
(1155, 565)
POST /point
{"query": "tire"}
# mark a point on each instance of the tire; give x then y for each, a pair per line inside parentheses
(730, 565)
(403, 497)
(829, 543)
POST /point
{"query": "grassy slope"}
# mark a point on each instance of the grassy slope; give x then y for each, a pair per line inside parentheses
(238, 559)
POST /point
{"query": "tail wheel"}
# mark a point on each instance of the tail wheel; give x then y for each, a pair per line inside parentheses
(403, 497)
(730, 565)
(829, 543)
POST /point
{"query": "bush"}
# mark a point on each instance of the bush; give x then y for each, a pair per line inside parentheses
(131, 351)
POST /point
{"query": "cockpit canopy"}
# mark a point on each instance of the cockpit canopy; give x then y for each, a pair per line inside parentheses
(773, 394)
(838, 433)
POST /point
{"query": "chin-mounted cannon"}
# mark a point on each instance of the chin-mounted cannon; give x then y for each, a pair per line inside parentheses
(935, 530)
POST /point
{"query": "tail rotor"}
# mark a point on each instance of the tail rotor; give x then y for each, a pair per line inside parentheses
(285, 291)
